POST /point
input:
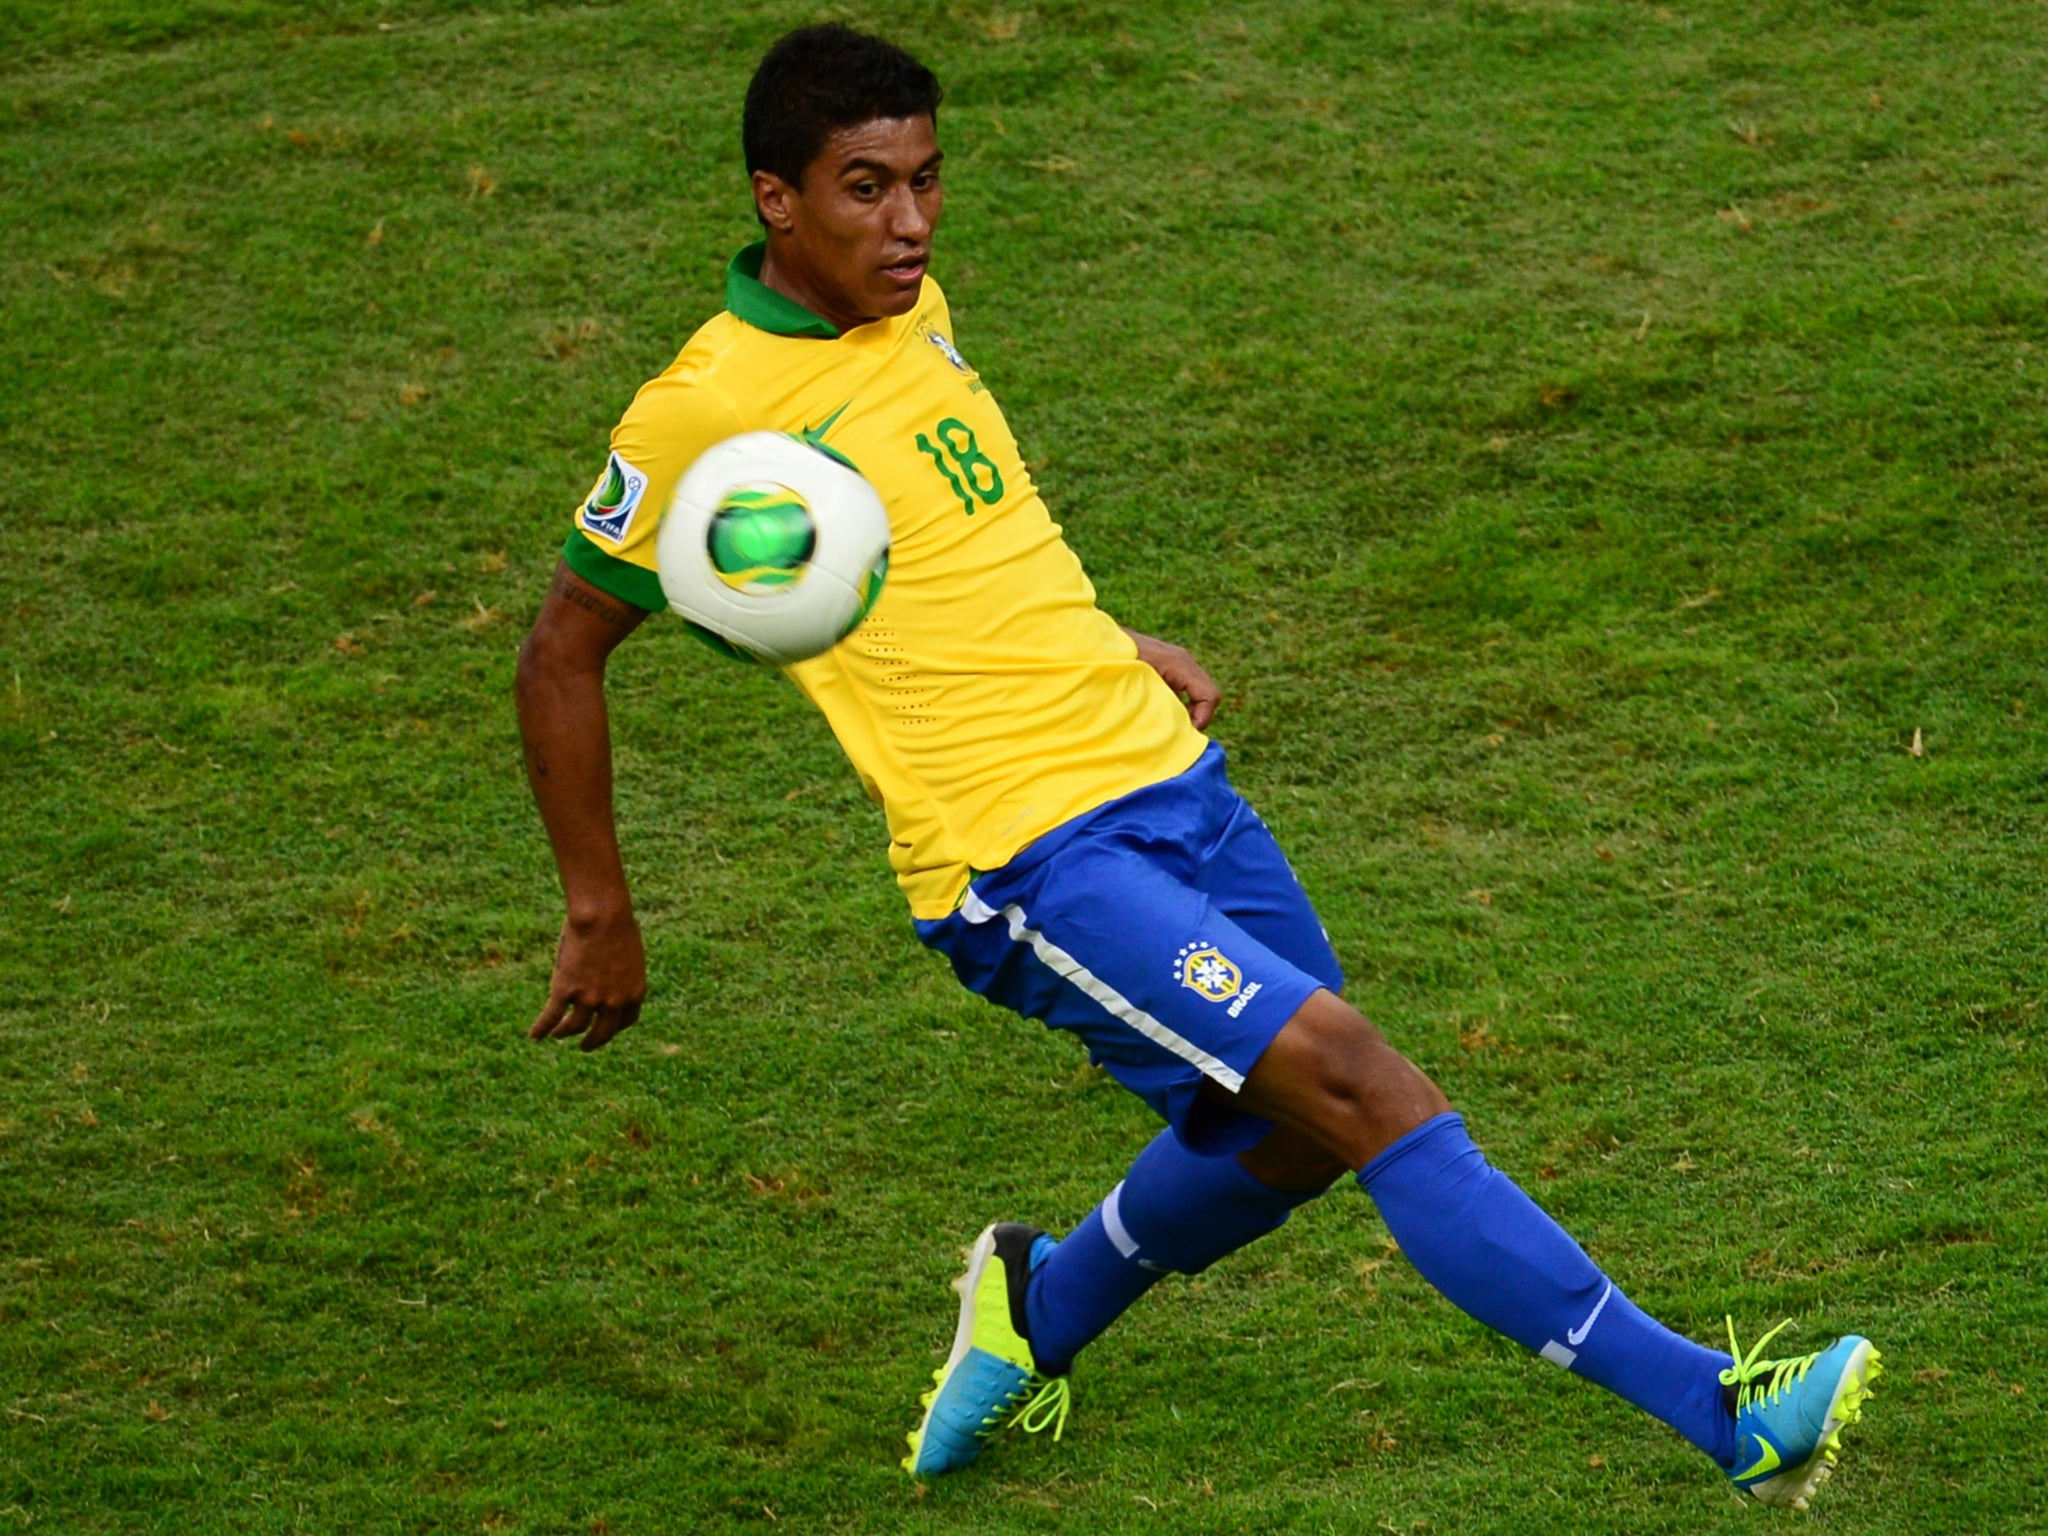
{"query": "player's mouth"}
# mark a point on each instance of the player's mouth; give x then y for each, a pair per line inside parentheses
(908, 272)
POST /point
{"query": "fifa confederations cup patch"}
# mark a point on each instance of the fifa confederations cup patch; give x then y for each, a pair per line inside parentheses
(609, 511)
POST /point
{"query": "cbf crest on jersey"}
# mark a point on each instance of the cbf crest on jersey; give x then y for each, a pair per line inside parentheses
(609, 512)
(945, 345)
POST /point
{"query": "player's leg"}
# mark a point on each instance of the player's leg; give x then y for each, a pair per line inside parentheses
(1102, 933)
(1175, 1212)
(1475, 1236)
(1178, 1211)
(1469, 1228)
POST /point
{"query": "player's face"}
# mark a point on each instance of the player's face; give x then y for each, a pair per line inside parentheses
(853, 241)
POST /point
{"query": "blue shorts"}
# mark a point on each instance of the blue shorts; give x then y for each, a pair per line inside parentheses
(1167, 930)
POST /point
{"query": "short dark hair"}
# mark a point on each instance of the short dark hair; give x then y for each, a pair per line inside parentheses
(822, 78)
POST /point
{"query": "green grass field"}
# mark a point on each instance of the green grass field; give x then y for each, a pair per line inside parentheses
(1600, 446)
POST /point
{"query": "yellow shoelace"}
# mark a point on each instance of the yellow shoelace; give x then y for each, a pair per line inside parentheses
(1747, 1372)
(1047, 1406)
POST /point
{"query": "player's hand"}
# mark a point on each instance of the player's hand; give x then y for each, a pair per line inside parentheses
(1183, 674)
(600, 980)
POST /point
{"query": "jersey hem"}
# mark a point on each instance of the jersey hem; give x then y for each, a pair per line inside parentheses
(1046, 840)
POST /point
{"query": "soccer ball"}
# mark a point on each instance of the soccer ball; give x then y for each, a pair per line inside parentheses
(773, 549)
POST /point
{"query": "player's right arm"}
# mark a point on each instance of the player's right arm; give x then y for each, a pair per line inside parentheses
(607, 583)
(605, 586)
(600, 972)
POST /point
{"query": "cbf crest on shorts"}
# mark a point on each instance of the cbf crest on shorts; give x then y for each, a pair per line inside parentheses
(1201, 967)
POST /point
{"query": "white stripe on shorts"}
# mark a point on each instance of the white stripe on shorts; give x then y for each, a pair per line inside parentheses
(977, 911)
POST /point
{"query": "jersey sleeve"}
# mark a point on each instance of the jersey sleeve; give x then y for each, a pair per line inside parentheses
(672, 420)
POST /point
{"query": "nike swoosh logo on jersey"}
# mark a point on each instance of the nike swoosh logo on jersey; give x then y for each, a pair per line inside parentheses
(815, 436)
(1578, 1335)
(1769, 1461)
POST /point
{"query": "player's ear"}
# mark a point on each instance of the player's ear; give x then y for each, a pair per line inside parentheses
(773, 200)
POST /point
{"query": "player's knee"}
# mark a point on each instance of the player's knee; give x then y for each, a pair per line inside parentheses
(1293, 1163)
(1345, 1057)
(1333, 1073)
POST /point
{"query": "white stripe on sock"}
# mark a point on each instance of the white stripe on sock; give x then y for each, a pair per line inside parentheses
(1113, 1223)
(975, 910)
(1557, 1354)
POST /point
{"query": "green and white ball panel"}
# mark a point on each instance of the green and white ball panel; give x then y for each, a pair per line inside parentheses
(761, 537)
(773, 548)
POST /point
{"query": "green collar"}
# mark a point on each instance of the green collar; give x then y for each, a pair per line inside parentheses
(762, 307)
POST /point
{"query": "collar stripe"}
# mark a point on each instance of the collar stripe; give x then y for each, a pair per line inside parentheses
(762, 307)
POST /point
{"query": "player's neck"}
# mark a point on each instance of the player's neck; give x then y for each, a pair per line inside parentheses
(788, 279)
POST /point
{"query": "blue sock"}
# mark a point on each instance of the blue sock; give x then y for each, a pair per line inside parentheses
(1478, 1239)
(1175, 1212)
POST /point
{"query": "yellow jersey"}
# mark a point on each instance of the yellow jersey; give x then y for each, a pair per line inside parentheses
(986, 699)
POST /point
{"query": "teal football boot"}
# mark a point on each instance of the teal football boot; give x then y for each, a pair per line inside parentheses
(1789, 1414)
(989, 1381)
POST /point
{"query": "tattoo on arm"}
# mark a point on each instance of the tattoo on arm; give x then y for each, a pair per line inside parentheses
(591, 601)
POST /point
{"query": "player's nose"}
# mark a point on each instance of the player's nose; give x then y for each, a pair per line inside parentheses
(908, 219)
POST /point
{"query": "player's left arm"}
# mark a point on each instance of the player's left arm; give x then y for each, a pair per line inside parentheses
(1186, 676)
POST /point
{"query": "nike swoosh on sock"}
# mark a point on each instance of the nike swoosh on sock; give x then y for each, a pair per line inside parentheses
(1577, 1336)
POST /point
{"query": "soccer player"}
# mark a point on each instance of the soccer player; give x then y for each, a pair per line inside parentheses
(1063, 831)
